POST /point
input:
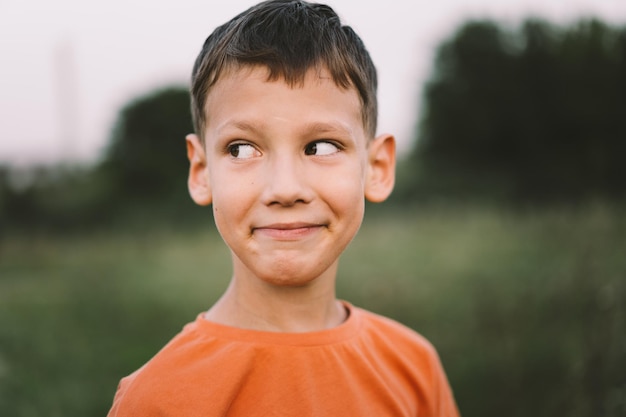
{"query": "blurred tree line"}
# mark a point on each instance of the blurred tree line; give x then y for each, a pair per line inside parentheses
(141, 180)
(535, 114)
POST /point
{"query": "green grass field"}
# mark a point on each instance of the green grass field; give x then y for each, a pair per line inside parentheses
(527, 309)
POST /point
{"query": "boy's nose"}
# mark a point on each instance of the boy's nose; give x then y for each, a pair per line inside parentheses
(286, 183)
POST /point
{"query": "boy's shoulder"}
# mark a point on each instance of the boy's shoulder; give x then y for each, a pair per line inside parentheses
(390, 337)
(393, 329)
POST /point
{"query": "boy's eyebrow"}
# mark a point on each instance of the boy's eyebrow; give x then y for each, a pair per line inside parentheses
(239, 125)
(328, 127)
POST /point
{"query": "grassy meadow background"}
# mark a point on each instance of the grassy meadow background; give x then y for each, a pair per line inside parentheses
(527, 308)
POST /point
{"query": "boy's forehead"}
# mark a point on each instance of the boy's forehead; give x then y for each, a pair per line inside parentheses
(316, 84)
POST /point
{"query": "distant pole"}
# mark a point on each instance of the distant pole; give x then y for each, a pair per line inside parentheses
(67, 100)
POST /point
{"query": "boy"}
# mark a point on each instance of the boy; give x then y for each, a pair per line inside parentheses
(284, 107)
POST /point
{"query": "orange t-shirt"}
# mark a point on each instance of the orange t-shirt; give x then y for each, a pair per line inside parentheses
(367, 366)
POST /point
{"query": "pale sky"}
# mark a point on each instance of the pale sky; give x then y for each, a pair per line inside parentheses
(67, 66)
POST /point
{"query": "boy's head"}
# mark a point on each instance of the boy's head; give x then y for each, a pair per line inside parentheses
(284, 105)
(289, 38)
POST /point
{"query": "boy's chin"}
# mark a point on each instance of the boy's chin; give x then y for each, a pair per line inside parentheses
(288, 277)
(291, 274)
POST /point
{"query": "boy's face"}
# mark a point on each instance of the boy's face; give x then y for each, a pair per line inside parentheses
(286, 169)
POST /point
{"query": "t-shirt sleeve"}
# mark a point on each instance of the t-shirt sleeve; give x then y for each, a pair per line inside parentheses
(446, 404)
(122, 388)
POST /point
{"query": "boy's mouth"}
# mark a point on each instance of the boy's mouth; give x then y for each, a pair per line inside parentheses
(287, 231)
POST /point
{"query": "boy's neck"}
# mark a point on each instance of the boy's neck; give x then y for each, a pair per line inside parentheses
(284, 309)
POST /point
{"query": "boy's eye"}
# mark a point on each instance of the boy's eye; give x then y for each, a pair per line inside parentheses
(320, 148)
(242, 151)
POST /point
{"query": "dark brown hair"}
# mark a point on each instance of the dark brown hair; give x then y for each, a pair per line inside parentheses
(289, 37)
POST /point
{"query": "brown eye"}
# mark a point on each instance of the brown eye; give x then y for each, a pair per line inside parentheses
(311, 149)
(242, 151)
(320, 148)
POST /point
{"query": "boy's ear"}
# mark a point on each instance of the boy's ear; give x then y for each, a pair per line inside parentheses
(381, 170)
(198, 181)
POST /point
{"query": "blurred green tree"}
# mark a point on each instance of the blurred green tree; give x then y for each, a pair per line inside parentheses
(532, 114)
(146, 159)
(140, 181)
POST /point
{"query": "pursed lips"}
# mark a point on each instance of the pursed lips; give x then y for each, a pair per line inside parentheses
(287, 231)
